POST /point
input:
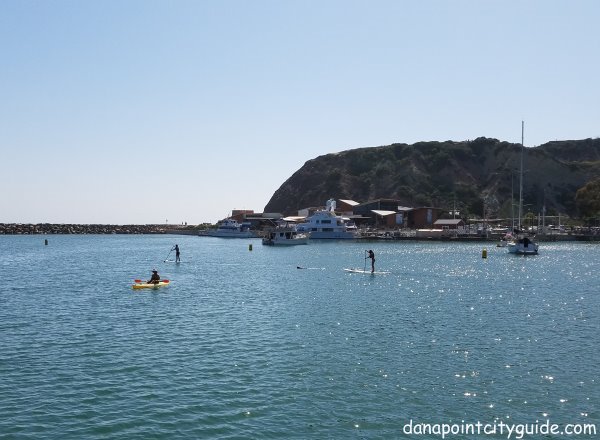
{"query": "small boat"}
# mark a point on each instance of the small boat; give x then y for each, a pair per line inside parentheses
(230, 228)
(523, 246)
(285, 236)
(505, 240)
(142, 285)
(326, 224)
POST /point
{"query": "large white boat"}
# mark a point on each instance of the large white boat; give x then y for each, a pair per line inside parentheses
(522, 244)
(325, 224)
(285, 236)
(230, 228)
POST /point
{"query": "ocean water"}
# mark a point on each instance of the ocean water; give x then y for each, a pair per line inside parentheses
(242, 344)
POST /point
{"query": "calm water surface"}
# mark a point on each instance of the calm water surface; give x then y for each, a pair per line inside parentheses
(243, 344)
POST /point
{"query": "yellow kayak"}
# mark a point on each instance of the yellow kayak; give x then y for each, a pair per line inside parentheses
(141, 285)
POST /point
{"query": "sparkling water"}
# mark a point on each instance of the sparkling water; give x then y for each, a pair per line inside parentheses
(267, 342)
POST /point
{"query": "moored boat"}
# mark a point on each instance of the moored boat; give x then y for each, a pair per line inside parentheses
(231, 228)
(285, 236)
(325, 224)
(522, 244)
(503, 242)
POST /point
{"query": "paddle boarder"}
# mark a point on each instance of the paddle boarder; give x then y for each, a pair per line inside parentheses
(177, 253)
(155, 278)
(371, 255)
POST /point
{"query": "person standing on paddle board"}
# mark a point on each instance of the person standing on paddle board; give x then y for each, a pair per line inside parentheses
(177, 253)
(372, 257)
(155, 278)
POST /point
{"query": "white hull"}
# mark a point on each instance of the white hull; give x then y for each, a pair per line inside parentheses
(285, 237)
(285, 242)
(520, 248)
(230, 228)
(230, 234)
(332, 235)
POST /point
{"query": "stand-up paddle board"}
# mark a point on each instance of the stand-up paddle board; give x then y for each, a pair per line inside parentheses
(172, 261)
(365, 271)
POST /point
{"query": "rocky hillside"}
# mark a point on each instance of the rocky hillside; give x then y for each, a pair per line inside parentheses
(468, 173)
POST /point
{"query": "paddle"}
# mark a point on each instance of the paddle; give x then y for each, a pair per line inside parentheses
(140, 281)
(169, 254)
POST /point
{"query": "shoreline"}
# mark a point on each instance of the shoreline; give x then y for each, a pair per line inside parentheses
(84, 229)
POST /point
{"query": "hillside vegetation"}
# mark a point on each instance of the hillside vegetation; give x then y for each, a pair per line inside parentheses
(470, 174)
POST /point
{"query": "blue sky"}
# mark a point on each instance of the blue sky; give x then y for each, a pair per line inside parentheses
(152, 111)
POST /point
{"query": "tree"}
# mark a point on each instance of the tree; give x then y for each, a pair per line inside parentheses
(587, 199)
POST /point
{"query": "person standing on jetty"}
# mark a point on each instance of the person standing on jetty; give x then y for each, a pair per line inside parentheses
(371, 255)
(177, 253)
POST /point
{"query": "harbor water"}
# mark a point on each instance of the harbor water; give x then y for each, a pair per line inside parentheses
(264, 342)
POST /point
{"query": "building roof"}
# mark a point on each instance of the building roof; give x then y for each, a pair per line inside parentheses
(382, 213)
(293, 219)
(448, 221)
(349, 202)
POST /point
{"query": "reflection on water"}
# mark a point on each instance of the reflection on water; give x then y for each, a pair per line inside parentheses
(243, 344)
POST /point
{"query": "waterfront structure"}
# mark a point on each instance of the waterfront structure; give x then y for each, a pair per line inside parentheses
(326, 224)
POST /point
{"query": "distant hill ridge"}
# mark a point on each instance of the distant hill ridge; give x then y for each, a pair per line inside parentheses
(468, 173)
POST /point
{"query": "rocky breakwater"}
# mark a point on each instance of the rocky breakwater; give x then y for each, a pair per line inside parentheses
(49, 228)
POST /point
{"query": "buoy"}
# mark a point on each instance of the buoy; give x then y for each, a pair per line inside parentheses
(46, 242)
(484, 253)
(249, 247)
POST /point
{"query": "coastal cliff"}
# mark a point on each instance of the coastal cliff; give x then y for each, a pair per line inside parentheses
(466, 175)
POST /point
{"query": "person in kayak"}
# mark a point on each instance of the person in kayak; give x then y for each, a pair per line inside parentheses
(372, 257)
(177, 253)
(155, 278)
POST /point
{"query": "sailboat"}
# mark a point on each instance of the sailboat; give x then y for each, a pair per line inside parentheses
(522, 244)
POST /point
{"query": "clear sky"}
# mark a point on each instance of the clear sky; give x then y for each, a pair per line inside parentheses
(127, 111)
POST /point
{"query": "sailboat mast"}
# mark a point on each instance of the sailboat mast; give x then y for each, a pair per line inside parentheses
(521, 174)
(512, 201)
